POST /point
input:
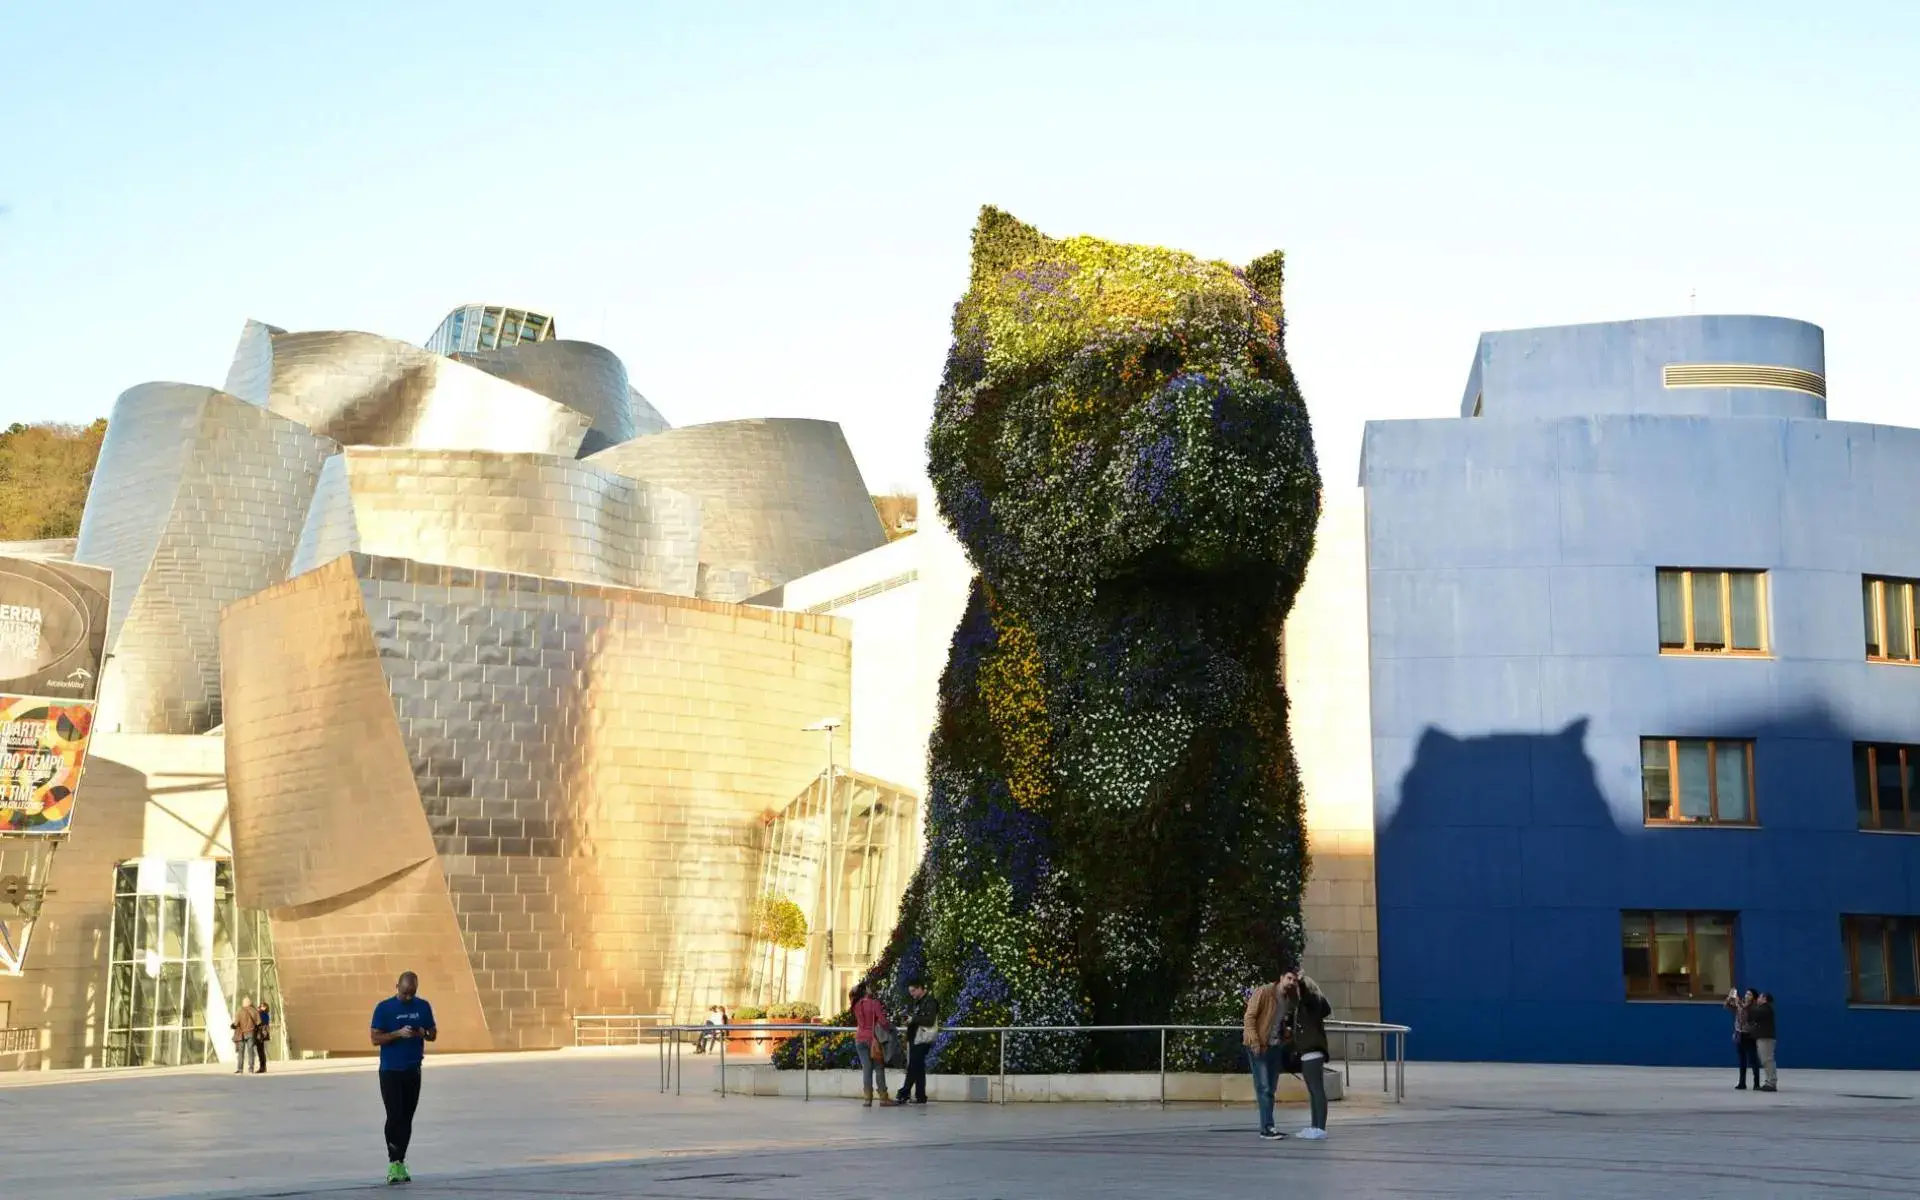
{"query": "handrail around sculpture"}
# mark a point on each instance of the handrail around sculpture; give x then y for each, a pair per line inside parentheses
(1391, 1035)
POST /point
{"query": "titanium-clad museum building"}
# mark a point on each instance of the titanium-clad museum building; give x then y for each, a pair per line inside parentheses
(434, 661)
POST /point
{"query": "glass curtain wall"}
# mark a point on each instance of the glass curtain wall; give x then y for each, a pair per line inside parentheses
(184, 958)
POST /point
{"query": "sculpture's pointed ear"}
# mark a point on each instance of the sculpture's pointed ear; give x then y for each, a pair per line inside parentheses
(1266, 274)
(1000, 242)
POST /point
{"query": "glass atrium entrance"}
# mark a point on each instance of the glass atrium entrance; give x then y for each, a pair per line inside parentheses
(185, 957)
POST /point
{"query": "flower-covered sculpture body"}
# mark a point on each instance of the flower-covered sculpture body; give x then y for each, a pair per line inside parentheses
(1114, 822)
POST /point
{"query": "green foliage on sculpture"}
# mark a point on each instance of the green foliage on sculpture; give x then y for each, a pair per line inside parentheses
(1114, 828)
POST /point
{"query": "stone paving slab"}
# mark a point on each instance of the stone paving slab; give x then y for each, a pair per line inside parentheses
(566, 1125)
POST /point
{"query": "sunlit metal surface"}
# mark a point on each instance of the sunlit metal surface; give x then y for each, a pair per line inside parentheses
(580, 375)
(545, 797)
(646, 418)
(528, 513)
(250, 376)
(197, 500)
(364, 390)
(779, 498)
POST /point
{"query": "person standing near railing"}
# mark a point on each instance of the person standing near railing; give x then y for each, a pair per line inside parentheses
(1261, 1030)
(923, 1023)
(1307, 1010)
(869, 1018)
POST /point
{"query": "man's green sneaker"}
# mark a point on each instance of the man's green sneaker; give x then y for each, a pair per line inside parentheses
(404, 1177)
(397, 1173)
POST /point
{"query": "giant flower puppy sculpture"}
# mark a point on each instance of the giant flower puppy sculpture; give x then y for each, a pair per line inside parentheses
(1114, 826)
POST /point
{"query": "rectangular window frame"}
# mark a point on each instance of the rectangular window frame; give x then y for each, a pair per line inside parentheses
(1649, 991)
(1689, 648)
(1714, 749)
(1850, 934)
(1909, 793)
(1884, 594)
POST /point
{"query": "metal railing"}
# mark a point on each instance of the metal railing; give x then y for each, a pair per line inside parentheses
(615, 1029)
(1393, 1047)
(19, 1041)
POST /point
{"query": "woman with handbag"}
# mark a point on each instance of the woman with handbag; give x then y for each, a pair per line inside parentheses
(923, 1025)
(871, 1034)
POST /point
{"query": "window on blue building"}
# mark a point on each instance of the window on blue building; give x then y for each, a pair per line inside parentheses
(1883, 786)
(1887, 606)
(1711, 612)
(1883, 959)
(1676, 955)
(1697, 781)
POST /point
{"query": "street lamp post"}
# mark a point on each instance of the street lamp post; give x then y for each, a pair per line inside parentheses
(827, 725)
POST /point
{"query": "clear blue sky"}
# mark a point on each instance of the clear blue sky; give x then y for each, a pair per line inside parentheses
(764, 208)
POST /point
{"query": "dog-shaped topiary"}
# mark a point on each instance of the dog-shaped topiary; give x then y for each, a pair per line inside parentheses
(1114, 821)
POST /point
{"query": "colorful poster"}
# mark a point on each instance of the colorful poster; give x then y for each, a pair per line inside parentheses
(53, 628)
(43, 746)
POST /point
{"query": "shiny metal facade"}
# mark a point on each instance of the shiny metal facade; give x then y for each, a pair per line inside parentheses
(363, 390)
(250, 375)
(197, 500)
(546, 797)
(646, 418)
(779, 497)
(580, 375)
(527, 513)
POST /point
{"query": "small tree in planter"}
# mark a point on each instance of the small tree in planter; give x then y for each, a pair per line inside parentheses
(778, 922)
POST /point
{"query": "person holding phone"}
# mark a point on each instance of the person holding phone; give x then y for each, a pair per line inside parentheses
(402, 1026)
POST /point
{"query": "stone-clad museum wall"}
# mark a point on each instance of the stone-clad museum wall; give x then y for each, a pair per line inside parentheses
(1516, 666)
(545, 797)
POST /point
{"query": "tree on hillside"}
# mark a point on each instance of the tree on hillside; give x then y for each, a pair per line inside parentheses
(45, 470)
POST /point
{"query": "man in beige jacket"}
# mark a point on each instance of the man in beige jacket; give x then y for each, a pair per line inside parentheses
(246, 1023)
(1260, 1031)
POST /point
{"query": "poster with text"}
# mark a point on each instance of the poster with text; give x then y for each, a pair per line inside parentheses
(43, 747)
(53, 628)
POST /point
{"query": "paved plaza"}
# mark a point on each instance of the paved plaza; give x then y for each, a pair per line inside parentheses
(581, 1124)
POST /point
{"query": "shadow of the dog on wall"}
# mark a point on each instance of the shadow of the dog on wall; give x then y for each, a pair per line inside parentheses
(1507, 865)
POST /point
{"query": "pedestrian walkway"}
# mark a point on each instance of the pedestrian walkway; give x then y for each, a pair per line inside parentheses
(594, 1124)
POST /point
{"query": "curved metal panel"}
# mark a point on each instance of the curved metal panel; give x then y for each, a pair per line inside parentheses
(328, 829)
(779, 497)
(250, 376)
(363, 390)
(592, 765)
(527, 513)
(646, 418)
(197, 500)
(580, 375)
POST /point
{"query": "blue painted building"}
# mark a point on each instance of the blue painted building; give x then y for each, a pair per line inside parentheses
(1643, 690)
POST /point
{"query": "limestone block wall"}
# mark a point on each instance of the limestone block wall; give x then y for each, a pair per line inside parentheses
(1326, 674)
(159, 795)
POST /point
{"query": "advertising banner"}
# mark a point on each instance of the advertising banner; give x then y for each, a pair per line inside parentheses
(53, 632)
(53, 628)
(43, 746)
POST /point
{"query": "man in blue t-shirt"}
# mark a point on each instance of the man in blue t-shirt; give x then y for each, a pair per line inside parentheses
(402, 1026)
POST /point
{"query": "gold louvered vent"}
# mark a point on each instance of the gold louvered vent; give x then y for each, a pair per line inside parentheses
(1743, 375)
